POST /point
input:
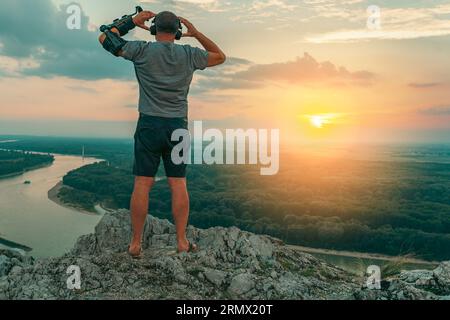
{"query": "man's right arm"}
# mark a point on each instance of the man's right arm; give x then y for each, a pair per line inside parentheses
(102, 39)
(215, 55)
(139, 21)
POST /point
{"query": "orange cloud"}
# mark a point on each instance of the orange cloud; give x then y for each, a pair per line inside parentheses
(305, 70)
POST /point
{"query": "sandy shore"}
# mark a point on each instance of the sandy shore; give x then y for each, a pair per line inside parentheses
(53, 196)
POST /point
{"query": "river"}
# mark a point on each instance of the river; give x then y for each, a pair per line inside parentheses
(29, 218)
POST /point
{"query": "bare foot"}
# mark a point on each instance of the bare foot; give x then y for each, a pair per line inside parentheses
(135, 250)
(186, 246)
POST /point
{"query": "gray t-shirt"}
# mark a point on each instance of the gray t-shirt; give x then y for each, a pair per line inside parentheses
(164, 71)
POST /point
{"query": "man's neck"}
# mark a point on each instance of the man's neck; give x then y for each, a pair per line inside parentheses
(165, 37)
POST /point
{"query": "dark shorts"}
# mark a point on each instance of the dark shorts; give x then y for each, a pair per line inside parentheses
(152, 141)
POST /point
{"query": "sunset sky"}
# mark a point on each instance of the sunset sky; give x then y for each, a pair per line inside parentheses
(313, 68)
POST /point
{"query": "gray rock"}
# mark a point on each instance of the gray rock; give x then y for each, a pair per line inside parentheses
(230, 264)
(241, 284)
(113, 233)
(442, 277)
(413, 285)
(16, 270)
(414, 276)
(216, 277)
(5, 265)
(262, 246)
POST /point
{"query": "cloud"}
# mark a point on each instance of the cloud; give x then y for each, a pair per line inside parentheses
(424, 85)
(52, 50)
(83, 89)
(396, 24)
(335, 9)
(192, 8)
(38, 34)
(436, 111)
(241, 74)
(304, 70)
(13, 67)
(65, 98)
(222, 77)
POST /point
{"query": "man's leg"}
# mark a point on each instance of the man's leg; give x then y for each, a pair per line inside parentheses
(180, 210)
(139, 210)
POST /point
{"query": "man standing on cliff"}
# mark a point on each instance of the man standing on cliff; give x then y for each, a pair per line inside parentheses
(164, 71)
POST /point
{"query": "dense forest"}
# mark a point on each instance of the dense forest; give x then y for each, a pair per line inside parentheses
(98, 183)
(344, 205)
(389, 207)
(13, 162)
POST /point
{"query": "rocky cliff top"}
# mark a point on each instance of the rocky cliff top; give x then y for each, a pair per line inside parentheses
(231, 264)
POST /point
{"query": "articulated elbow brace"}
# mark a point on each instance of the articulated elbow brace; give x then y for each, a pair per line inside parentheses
(113, 43)
(124, 25)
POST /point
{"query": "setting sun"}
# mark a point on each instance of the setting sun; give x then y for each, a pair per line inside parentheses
(317, 121)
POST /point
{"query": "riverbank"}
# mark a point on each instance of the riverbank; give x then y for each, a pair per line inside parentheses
(53, 196)
(368, 256)
(14, 245)
(16, 174)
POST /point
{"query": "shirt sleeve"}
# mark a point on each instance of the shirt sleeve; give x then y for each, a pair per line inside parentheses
(133, 50)
(199, 58)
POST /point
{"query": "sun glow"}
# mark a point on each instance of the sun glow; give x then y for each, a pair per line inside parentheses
(319, 121)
